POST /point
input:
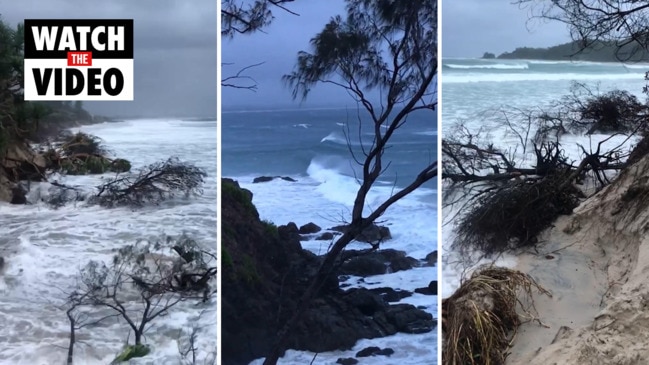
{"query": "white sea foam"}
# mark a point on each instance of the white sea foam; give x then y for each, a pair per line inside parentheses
(334, 137)
(496, 66)
(514, 77)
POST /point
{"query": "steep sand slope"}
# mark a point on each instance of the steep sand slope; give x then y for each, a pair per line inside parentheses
(598, 273)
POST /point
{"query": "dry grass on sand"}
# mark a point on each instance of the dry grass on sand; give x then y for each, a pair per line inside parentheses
(480, 319)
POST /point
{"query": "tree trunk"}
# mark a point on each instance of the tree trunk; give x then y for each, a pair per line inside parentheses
(72, 339)
(318, 280)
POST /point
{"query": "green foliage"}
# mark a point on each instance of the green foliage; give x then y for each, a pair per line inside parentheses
(248, 271)
(362, 48)
(599, 51)
(130, 352)
(120, 165)
(86, 165)
(226, 259)
(236, 193)
(271, 228)
(240, 18)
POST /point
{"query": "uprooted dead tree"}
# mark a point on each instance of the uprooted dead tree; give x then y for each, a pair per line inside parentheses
(505, 196)
(150, 185)
(143, 282)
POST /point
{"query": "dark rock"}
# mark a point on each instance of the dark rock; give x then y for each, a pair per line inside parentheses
(310, 228)
(326, 236)
(365, 301)
(431, 258)
(292, 227)
(263, 286)
(409, 319)
(433, 285)
(374, 351)
(288, 234)
(403, 263)
(18, 195)
(368, 351)
(370, 234)
(347, 361)
(431, 289)
(2, 262)
(262, 179)
(375, 262)
(364, 266)
(390, 295)
(385, 352)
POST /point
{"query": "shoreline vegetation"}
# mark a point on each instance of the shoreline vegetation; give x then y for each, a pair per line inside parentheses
(573, 223)
(598, 51)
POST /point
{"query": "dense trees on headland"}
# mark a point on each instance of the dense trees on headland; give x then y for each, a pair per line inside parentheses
(599, 51)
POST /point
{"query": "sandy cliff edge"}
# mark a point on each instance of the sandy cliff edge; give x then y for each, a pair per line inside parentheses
(596, 264)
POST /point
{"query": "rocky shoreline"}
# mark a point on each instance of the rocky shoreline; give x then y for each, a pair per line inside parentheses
(21, 161)
(265, 270)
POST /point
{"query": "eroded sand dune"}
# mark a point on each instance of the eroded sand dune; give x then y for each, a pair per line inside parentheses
(596, 264)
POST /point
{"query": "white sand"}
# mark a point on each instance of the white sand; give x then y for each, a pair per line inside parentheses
(599, 278)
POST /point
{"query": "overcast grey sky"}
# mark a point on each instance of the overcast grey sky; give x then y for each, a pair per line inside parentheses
(278, 48)
(175, 50)
(472, 27)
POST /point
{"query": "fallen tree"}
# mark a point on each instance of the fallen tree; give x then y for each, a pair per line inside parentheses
(153, 184)
(505, 196)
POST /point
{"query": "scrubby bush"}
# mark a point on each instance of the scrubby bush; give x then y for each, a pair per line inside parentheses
(143, 282)
(617, 111)
(513, 216)
(120, 165)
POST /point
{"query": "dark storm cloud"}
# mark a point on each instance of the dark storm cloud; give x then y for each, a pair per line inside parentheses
(278, 48)
(472, 27)
(175, 50)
